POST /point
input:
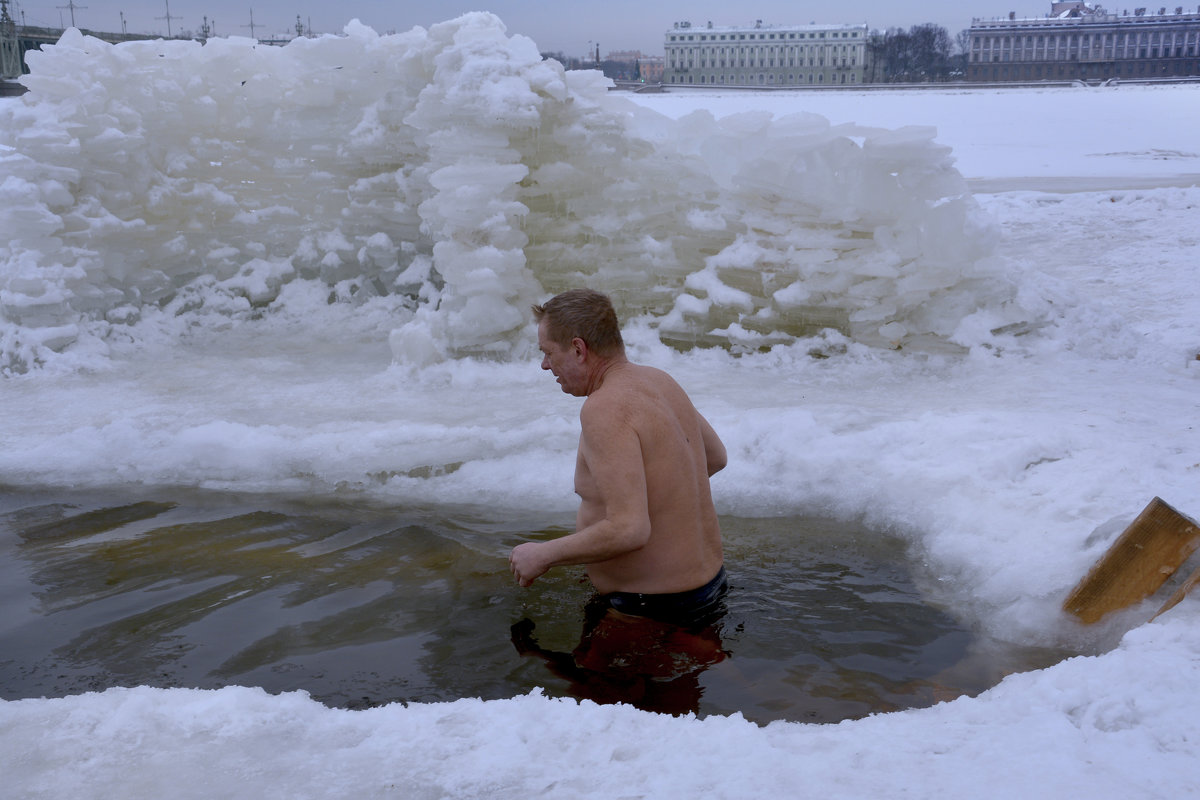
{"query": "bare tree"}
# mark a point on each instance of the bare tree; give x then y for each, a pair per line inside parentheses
(961, 56)
(919, 55)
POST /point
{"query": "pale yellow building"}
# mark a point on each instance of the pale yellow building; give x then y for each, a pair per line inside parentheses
(765, 55)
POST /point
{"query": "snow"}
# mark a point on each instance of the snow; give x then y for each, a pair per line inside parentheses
(1077, 732)
(1065, 139)
(301, 279)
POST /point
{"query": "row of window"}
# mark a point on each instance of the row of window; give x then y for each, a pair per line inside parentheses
(689, 57)
(802, 48)
(1096, 39)
(766, 52)
(739, 37)
(764, 79)
(705, 63)
(1130, 53)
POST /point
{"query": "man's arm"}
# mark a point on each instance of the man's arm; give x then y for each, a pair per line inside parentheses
(612, 452)
(714, 448)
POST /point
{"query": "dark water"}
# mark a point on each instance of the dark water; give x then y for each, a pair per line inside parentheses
(363, 606)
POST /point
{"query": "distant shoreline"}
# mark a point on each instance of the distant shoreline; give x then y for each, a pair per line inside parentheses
(931, 86)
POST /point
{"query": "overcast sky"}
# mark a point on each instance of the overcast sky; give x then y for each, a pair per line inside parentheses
(566, 27)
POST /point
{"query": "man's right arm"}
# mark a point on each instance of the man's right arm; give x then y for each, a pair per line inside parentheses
(611, 451)
(714, 449)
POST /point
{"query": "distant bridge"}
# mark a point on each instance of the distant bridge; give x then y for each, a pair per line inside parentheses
(17, 40)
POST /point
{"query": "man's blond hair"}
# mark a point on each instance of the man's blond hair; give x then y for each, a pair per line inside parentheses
(585, 314)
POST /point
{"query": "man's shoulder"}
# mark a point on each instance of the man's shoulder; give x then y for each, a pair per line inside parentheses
(615, 399)
(611, 401)
(638, 393)
(625, 385)
(640, 377)
(656, 385)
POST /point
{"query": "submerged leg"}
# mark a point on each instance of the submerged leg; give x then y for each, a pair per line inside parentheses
(623, 659)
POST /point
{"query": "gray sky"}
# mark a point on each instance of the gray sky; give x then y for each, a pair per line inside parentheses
(566, 26)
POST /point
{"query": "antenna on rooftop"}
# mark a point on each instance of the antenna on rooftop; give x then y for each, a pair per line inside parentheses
(251, 25)
(71, 5)
(168, 17)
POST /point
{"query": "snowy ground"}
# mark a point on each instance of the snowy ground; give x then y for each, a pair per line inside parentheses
(1010, 467)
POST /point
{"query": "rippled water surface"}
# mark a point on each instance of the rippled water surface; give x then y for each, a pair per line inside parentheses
(363, 605)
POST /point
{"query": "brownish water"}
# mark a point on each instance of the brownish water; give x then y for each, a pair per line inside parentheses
(363, 605)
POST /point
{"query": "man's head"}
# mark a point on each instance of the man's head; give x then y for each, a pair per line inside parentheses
(578, 333)
(584, 314)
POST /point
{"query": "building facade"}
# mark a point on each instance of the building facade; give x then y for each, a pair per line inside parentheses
(1082, 41)
(633, 65)
(650, 68)
(765, 55)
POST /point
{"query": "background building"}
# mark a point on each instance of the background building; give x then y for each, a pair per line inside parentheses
(765, 55)
(1082, 41)
(650, 68)
(632, 65)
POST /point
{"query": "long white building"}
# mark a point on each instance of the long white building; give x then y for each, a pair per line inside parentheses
(765, 55)
(1083, 41)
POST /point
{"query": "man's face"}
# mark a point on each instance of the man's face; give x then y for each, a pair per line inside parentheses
(564, 362)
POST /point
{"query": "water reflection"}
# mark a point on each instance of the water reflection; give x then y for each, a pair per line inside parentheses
(650, 664)
(364, 605)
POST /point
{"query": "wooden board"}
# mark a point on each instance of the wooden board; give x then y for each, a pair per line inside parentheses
(1179, 594)
(1137, 564)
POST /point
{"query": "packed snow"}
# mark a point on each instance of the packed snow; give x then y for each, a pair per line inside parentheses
(966, 318)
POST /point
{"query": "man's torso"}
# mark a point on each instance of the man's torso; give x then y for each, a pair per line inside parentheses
(684, 548)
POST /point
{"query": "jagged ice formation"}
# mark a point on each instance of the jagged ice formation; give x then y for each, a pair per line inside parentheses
(457, 173)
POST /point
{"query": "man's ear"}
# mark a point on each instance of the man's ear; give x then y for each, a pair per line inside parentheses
(580, 348)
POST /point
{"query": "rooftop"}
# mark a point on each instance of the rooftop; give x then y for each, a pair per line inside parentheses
(1090, 14)
(760, 26)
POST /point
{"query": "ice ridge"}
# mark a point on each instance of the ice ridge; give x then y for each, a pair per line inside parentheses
(457, 172)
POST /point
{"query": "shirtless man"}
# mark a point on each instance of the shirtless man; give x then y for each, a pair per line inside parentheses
(646, 528)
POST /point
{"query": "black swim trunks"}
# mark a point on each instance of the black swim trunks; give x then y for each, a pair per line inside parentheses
(695, 608)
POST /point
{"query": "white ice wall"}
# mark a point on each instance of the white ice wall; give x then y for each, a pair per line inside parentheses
(456, 172)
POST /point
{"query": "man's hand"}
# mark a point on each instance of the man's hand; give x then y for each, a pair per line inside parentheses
(526, 562)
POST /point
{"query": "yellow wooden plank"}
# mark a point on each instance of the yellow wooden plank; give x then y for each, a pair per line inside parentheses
(1179, 594)
(1137, 564)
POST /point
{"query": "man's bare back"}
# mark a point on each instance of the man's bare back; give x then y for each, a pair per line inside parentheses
(646, 521)
(641, 415)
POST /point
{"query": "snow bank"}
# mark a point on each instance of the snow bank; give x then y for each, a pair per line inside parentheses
(1103, 727)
